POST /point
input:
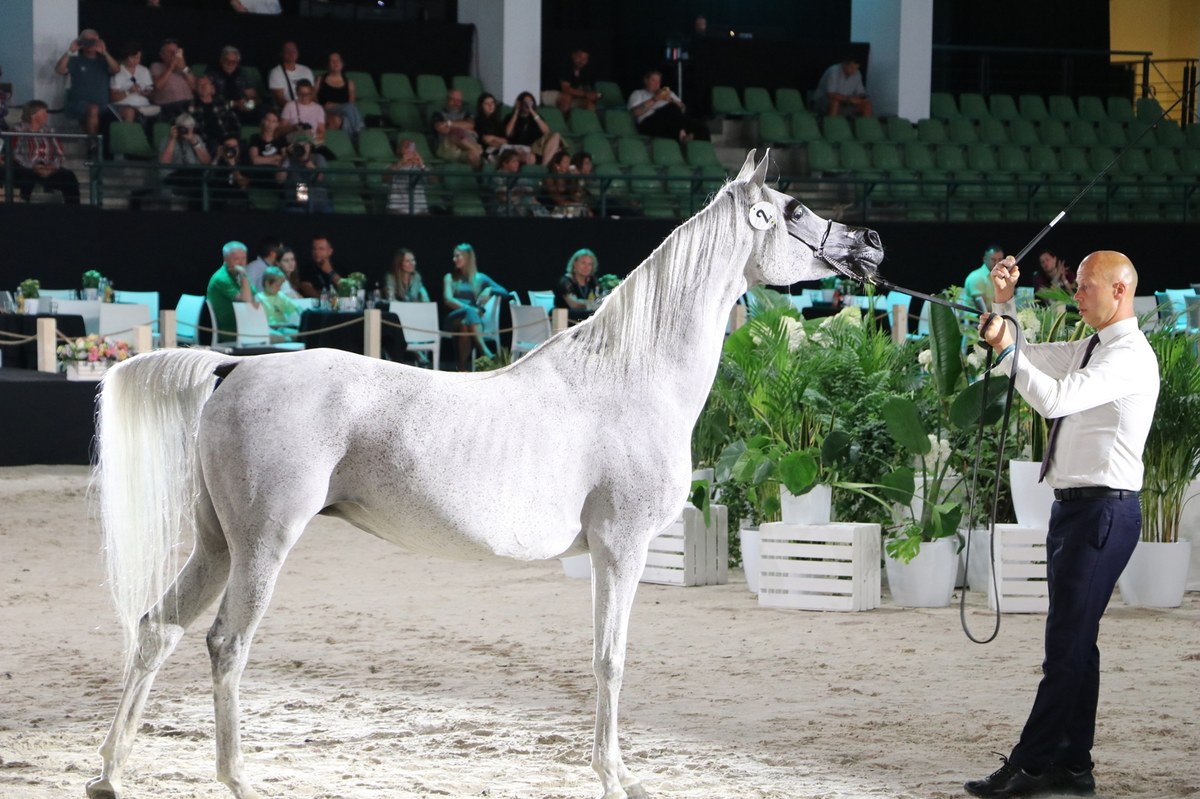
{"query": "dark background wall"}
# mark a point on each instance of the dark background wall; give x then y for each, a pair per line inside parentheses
(177, 252)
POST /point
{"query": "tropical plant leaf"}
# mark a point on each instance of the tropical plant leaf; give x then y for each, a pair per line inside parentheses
(945, 342)
(752, 467)
(899, 485)
(798, 472)
(904, 425)
(966, 409)
(723, 468)
(835, 448)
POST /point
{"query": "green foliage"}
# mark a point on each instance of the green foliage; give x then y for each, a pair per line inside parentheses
(30, 288)
(1172, 454)
(91, 279)
(502, 358)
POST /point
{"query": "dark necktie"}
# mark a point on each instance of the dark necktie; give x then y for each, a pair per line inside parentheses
(1054, 425)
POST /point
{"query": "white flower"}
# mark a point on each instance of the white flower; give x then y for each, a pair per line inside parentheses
(795, 332)
(939, 452)
(925, 358)
(977, 357)
(1030, 323)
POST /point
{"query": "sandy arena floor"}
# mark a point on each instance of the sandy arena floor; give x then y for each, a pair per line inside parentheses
(381, 674)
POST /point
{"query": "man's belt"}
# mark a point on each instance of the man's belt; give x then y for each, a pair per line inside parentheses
(1092, 492)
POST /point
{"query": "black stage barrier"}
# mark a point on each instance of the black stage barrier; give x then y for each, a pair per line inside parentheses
(24, 356)
(47, 418)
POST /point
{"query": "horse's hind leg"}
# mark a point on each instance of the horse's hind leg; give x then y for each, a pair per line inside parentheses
(194, 589)
(254, 569)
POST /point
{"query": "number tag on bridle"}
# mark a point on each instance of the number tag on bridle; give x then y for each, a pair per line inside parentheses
(763, 215)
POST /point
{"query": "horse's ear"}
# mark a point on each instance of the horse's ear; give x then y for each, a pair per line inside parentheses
(760, 174)
(747, 168)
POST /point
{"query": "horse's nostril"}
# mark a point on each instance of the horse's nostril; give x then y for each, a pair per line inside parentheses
(873, 238)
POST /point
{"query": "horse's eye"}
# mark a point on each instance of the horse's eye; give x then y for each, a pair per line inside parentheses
(794, 209)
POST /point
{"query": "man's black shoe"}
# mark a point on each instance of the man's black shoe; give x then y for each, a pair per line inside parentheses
(1010, 781)
(1078, 782)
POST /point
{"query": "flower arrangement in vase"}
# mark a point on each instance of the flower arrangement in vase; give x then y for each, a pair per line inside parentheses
(88, 358)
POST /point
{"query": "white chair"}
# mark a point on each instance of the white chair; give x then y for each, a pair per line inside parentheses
(148, 298)
(212, 321)
(417, 318)
(253, 329)
(531, 326)
(88, 309)
(922, 322)
(187, 318)
(1192, 304)
(1146, 307)
(543, 298)
(491, 322)
(117, 320)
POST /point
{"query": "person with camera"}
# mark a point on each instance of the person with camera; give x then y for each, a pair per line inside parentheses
(304, 113)
(90, 65)
(660, 113)
(528, 133)
(130, 88)
(174, 83)
(214, 117)
(233, 85)
(186, 151)
(302, 176)
(406, 194)
(227, 184)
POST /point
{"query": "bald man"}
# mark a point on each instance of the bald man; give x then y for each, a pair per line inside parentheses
(1100, 394)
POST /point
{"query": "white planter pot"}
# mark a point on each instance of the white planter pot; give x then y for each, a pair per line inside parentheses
(1189, 528)
(958, 494)
(86, 370)
(31, 306)
(1031, 500)
(751, 540)
(815, 507)
(978, 572)
(91, 294)
(928, 580)
(1156, 574)
(578, 567)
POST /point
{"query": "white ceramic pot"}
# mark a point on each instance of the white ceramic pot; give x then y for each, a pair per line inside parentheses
(1156, 574)
(927, 581)
(815, 507)
(1031, 500)
(978, 572)
(31, 306)
(751, 540)
(91, 294)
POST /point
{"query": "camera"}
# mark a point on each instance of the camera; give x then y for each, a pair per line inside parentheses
(229, 151)
(182, 130)
(298, 151)
(88, 42)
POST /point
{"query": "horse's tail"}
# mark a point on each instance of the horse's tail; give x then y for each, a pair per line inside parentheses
(147, 473)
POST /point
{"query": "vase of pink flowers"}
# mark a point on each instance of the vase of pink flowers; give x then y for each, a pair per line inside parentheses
(89, 358)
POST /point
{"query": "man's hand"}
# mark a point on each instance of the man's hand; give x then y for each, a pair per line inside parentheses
(993, 330)
(1004, 279)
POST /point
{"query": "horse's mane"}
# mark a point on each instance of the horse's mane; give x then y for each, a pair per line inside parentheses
(656, 296)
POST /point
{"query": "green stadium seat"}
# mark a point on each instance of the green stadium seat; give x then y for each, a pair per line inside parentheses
(1074, 160)
(900, 130)
(1148, 109)
(1120, 109)
(973, 106)
(885, 157)
(1053, 133)
(854, 158)
(254, 79)
(128, 140)
(339, 143)
(666, 152)
(1022, 132)
(553, 116)
(348, 203)
(631, 151)
(789, 101)
(932, 131)
(919, 158)
(869, 130)
(397, 86)
(405, 115)
(600, 148)
(1168, 134)
(1110, 134)
(822, 158)
(1043, 159)
(611, 95)
(837, 130)
(619, 122)
(712, 178)
(942, 105)
(757, 100)
(612, 178)
(470, 87)
(364, 85)
(1003, 107)
(700, 153)
(584, 121)
(805, 127)
(961, 130)
(1033, 108)
(1062, 108)
(952, 159)
(374, 145)
(1083, 134)
(263, 199)
(773, 129)
(1091, 109)
(725, 102)
(993, 132)
(432, 89)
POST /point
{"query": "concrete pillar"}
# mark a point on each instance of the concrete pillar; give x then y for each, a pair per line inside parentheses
(508, 45)
(47, 345)
(372, 334)
(900, 33)
(166, 329)
(33, 34)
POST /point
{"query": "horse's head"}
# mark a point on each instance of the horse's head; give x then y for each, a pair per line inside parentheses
(795, 244)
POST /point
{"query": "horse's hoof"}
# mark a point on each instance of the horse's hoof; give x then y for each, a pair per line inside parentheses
(102, 788)
(635, 791)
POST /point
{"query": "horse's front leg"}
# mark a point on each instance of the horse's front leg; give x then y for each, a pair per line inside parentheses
(615, 575)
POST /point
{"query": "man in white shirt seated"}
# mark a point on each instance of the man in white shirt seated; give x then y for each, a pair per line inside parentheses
(840, 91)
(1101, 394)
(282, 79)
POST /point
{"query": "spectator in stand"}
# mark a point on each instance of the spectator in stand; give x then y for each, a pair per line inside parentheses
(660, 113)
(227, 184)
(337, 95)
(404, 282)
(233, 85)
(268, 256)
(977, 288)
(489, 125)
(282, 79)
(227, 286)
(465, 293)
(174, 84)
(185, 150)
(268, 147)
(457, 140)
(129, 89)
(256, 6)
(578, 290)
(515, 196)
(321, 276)
(562, 189)
(840, 91)
(90, 66)
(1054, 273)
(282, 314)
(214, 118)
(287, 264)
(577, 84)
(302, 177)
(528, 133)
(304, 113)
(39, 159)
(406, 192)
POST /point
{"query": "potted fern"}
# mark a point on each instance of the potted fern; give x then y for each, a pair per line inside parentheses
(1156, 575)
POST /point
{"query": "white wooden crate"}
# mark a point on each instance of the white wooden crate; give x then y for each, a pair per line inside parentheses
(820, 566)
(1020, 570)
(688, 553)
